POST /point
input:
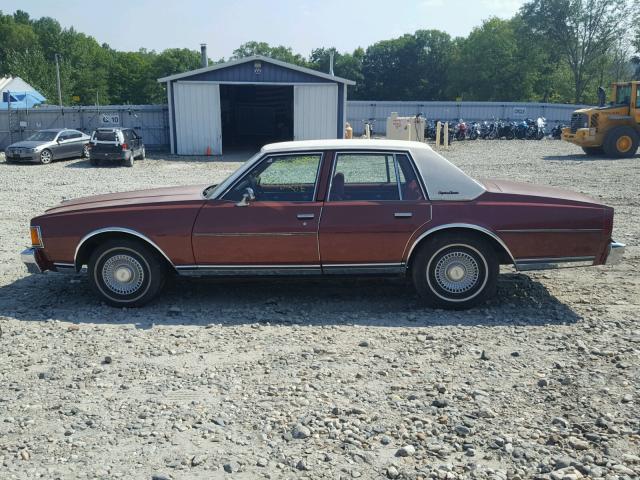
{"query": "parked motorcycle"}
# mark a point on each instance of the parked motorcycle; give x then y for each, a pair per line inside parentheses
(541, 128)
(506, 130)
(460, 130)
(521, 130)
(556, 132)
(474, 131)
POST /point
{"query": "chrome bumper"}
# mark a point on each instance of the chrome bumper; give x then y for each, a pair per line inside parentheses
(28, 257)
(615, 253)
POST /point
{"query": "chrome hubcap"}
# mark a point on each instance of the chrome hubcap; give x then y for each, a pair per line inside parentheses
(123, 274)
(45, 157)
(457, 272)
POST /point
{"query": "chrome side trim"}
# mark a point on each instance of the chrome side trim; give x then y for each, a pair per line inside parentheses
(190, 267)
(528, 264)
(364, 269)
(254, 234)
(460, 225)
(117, 230)
(615, 253)
(553, 230)
(247, 270)
(325, 265)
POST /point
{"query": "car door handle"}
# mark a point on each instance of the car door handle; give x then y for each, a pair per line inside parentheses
(305, 216)
(403, 214)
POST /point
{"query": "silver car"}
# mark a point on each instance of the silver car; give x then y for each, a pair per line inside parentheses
(45, 146)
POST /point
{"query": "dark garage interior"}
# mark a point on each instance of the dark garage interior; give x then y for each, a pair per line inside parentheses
(254, 115)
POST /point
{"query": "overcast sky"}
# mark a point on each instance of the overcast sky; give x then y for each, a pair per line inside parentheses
(224, 25)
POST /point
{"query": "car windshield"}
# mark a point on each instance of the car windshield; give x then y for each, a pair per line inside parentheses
(43, 136)
(105, 135)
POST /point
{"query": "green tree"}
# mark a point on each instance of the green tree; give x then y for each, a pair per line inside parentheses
(280, 52)
(582, 31)
(411, 67)
(345, 65)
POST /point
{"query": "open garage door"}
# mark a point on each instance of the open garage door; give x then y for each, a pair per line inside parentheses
(197, 117)
(315, 111)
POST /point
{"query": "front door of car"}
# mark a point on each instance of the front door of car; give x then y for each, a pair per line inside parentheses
(375, 204)
(60, 147)
(267, 222)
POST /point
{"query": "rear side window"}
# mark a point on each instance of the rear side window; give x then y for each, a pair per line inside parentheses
(409, 183)
(364, 176)
(374, 177)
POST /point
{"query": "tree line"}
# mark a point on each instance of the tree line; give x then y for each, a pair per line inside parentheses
(551, 51)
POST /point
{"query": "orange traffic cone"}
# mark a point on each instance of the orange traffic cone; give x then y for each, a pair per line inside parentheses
(208, 153)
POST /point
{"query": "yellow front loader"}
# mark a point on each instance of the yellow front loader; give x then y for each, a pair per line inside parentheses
(613, 129)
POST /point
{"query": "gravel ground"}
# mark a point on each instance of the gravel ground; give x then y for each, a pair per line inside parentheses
(314, 379)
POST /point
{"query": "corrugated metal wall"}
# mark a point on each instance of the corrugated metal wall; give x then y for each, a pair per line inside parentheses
(315, 111)
(198, 123)
(360, 111)
(150, 121)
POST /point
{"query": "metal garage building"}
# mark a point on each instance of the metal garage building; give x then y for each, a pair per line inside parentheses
(246, 103)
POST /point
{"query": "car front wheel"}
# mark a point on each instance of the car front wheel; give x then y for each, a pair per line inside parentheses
(126, 273)
(455, 271)
(46, 157)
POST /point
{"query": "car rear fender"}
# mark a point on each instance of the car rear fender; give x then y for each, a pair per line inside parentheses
(466, 228)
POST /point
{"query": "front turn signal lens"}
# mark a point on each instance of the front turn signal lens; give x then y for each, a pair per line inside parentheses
(36, 237)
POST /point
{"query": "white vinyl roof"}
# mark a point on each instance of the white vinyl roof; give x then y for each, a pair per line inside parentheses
(442, 179)
(254, 58)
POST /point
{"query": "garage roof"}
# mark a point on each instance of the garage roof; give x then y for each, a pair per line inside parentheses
(260, 58)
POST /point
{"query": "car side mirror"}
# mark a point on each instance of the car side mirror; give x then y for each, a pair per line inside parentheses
(247, 197)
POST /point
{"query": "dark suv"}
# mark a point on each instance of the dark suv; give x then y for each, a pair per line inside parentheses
(115, 144)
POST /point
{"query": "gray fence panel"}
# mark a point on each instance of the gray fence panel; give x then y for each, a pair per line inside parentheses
(150, 121)
(359, 111)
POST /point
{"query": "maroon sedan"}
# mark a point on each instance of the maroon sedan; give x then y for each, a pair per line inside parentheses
(330, 207)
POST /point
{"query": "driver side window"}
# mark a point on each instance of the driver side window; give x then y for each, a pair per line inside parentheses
(280, 178)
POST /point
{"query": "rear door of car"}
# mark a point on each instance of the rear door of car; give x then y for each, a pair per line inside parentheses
(73, 144)
(375, 204)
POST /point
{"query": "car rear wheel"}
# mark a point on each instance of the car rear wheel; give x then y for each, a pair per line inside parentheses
(126, 273)
(85, 151)
(128, 161)
(45, 156)
(455, 271)
(621, 142)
